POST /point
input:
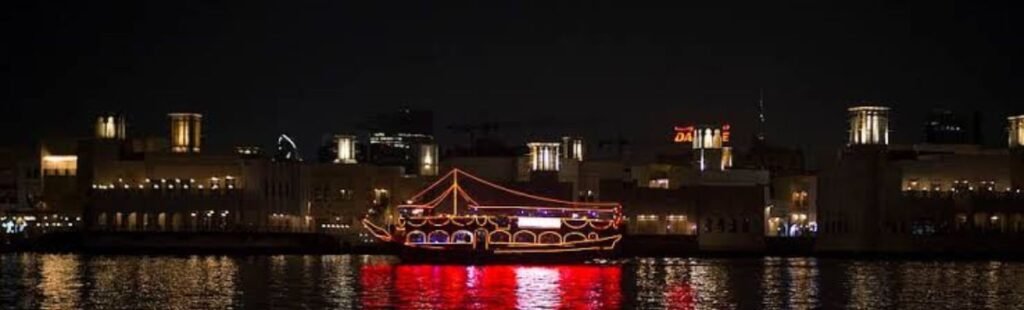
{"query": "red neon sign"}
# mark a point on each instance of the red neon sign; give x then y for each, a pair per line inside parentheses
(685, 134)
(725, 133)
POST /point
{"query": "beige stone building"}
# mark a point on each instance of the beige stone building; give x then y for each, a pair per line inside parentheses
(882, 198)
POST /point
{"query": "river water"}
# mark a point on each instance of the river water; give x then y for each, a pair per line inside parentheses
(69, 281)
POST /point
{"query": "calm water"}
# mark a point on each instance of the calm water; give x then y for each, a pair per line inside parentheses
(217, 282)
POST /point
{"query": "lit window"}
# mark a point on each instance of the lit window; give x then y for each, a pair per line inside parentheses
(647, 217)
(658, 183)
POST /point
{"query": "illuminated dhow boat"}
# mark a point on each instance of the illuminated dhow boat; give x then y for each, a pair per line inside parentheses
(453, 222)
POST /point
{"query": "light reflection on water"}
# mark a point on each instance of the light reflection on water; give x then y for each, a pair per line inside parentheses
(217, 282)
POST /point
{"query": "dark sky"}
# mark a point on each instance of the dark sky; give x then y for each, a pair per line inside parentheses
(596, 69)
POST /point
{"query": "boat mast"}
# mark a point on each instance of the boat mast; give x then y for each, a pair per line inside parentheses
(455, 193)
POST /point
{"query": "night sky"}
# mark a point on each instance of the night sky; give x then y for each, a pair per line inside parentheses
(598, 70)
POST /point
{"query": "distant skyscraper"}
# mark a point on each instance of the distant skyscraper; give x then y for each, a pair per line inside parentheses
(946, 127)
(395, 138)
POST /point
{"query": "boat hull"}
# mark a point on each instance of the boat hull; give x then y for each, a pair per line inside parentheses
(599, 247)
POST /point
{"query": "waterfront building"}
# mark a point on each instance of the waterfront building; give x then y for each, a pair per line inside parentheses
(794, 209)
(710, 146)
(344, 192)
(718, 208)
(20, 179)
(181, 188)
(881, 197)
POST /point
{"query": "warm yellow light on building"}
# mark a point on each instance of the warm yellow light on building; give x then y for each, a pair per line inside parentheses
(110, 127)
(248, 150)
(662, 183)
(708, 138)
(428, 159)
(346, 149)
(186, 132)
(869, 125)
(1016, 132)
(572, 148)
(726, 157)
(60, 165)
(676, 218)
(646, 217)
(544, 156)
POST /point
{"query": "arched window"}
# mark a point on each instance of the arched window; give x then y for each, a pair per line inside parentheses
(525, 236)
(574, 237)
(415, 237)
(500, 236)
(550, 237)
(438, 236)
(462, 236)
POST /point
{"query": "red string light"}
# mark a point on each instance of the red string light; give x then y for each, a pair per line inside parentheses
(551, 200)
(432, 185)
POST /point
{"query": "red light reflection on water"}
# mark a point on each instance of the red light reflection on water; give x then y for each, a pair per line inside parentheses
(679, 296)
(491, 286)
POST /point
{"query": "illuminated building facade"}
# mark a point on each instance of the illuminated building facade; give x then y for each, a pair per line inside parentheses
(345, 149)
(1016, 144)
(572, 148)
(26, 209)
(794, 208)
(186, 132)
(718, 209)
(59, 165)
(135, 185)
(428, 160)
(111, 127)
(869, 125)
(882, 198)
(147, 184)
(59, 171)
(342, 195)
(714, 217)
(545, 156)
(710, 145)
(1016, 131)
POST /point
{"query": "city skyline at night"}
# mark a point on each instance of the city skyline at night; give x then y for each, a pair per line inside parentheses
(512, 155)
(541, 68)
